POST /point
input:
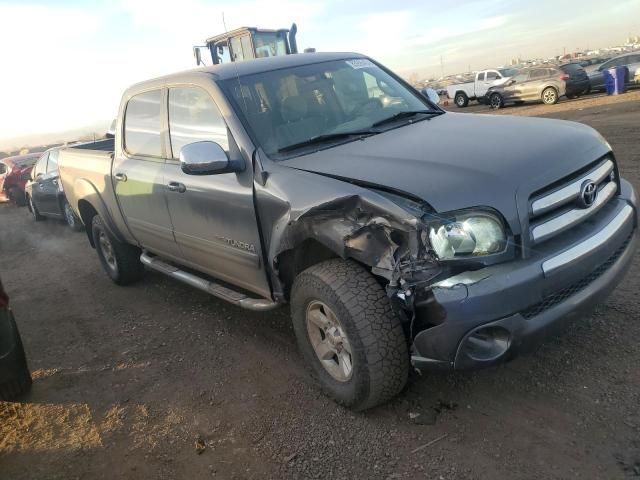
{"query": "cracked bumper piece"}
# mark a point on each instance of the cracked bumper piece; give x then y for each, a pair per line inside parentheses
(503, 310)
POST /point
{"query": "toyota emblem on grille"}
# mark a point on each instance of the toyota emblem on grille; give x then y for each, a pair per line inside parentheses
(588, 193)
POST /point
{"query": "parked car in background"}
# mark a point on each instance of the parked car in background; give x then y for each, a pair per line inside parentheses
(532, 84)
(462, 93)
(15, 378)
(630, 60)
(395, 239)
(44, 194)
(576, 79)
(14, 173)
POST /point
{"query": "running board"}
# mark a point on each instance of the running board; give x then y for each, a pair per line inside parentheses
(215, 289)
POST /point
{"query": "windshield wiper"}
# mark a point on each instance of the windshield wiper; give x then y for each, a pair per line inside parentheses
(408, 113)
(325, 138)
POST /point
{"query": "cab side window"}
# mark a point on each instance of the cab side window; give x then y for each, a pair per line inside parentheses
(194, 117)
(481, 76)
(492, 76)
(3, 168)
(142, 125)
(52, 164)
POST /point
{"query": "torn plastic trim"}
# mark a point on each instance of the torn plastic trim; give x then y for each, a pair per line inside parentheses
(464, 278)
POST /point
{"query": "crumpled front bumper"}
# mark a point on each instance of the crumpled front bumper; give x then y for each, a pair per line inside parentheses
(490, 315)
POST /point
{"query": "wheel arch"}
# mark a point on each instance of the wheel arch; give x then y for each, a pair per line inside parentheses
(88, 204)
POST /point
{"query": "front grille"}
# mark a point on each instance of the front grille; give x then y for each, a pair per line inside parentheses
(560, 206)
(561, 295)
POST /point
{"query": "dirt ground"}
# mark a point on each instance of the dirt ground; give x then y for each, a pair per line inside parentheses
(161, 381)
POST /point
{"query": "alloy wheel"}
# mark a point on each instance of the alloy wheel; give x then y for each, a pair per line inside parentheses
(329, 341)
(107, 251)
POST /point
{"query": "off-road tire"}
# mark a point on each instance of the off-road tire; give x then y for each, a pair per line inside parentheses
(128, 268)
(380, 356)
(34, 210)
(14, 366)
(461, 100)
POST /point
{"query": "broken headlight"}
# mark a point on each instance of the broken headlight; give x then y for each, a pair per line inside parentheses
(467, 234)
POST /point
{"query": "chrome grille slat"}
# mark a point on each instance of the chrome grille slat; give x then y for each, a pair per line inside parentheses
(570, 192)
(555, 211)
(573, 217)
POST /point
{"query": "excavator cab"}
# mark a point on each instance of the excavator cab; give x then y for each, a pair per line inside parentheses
(247, 43)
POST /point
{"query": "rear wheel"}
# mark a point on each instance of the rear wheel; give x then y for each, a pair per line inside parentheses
(71, 218)
(34, 210)
(549, 96)
(352, 341)
(120, 260)
(461, 99)
(496, 101)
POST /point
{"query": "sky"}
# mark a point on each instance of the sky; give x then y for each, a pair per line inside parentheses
(64, 64)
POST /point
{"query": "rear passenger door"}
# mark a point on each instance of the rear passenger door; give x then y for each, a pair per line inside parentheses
(138, 174)
(213, 216)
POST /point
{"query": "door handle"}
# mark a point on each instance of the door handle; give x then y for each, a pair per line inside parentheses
(176, 187)
(121, 177)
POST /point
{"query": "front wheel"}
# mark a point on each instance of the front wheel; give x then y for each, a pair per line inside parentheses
(348, 334)
(496, 101)
(120, 260)
(71, 218)
(549, 96)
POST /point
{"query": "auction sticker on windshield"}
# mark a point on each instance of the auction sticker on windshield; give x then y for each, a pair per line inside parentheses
(360, 63)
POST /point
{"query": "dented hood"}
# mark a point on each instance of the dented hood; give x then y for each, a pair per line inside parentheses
(458, 161)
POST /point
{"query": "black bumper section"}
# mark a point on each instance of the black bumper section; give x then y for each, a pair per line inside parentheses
(468, 338)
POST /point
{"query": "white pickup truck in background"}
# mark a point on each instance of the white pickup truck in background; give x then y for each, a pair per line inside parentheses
(484, 79)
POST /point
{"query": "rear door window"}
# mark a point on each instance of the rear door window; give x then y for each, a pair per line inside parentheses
(52, 164)
(41, 166)
(481, 76)
(3, 168)
(194, 117)
(142, 124)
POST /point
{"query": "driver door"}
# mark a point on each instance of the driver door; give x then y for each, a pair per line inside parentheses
(213, 216)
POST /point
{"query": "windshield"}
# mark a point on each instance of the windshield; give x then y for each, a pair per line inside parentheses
(269, 44)
(508, 72)
(290, 106)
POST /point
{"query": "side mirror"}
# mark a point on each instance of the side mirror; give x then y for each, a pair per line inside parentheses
(204, 158)
(511, 82)
(431, 95)
(26, 176)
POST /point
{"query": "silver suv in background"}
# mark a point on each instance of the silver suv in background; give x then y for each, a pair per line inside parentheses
(546, 84)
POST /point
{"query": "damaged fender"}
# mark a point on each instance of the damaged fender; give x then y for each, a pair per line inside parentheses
(350, 220)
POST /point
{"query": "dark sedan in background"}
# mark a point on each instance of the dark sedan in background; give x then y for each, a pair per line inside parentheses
(44, 194)
(629, 60)
(576, 79)
(546, 84)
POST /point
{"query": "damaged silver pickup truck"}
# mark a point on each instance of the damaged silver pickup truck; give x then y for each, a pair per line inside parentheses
(399, 234)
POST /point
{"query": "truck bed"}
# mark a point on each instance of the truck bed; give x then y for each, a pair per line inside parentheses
(86, 168)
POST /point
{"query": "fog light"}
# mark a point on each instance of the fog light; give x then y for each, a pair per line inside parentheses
(486, 344)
